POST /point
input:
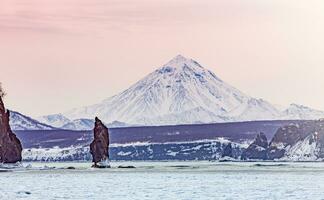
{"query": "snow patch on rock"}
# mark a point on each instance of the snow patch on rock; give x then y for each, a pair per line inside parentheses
(304, 150)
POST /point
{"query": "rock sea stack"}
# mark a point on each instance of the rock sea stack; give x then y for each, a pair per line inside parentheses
(100, 145)
(10, 146)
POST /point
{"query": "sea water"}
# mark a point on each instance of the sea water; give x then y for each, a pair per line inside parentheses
(165, 180)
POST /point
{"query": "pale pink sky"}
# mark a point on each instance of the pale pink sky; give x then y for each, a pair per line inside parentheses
(60, 54)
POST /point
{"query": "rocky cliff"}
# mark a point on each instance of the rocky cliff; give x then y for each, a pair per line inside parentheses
(10, 146)
(298, 141)
(100, 145)
(258, 149)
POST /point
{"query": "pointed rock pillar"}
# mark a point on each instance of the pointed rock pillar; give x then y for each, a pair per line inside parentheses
(100, 145)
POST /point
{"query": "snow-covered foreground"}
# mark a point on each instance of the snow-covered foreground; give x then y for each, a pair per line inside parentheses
(166, 180)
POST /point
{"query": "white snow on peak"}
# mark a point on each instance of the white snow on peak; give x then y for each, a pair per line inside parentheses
(61, 122)
(79, 124)
(179, 62)
(304, 150)
(19, 121)
(295, 111)
(55, 120)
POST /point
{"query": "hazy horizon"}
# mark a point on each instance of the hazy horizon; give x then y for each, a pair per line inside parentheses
(57, 55)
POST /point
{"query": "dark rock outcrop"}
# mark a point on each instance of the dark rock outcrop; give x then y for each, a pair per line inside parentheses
(288, 136)
(126, 167)
(257, 150)
(228, 151)
(10, 146)
(100, 145)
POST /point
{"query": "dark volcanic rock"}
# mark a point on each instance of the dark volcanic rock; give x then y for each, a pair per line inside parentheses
(99, 146)
(126, 167)
(301, 140)
(290, 135)
(71, 167)
(10, 146)
(258, 149)
(228, 151)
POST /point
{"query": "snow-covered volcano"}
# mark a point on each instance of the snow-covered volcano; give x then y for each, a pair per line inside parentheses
(180, 92)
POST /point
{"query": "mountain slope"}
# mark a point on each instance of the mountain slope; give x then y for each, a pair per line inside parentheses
(19, 121)
(55, 120)
(180, 92)
(295, 111)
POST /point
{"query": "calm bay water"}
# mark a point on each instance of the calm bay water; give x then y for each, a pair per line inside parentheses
(166, 180)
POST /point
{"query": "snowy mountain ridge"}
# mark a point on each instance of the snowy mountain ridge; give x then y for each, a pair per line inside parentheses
(295, 111)
(55, 120)
(61, 122)
(19, 121)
